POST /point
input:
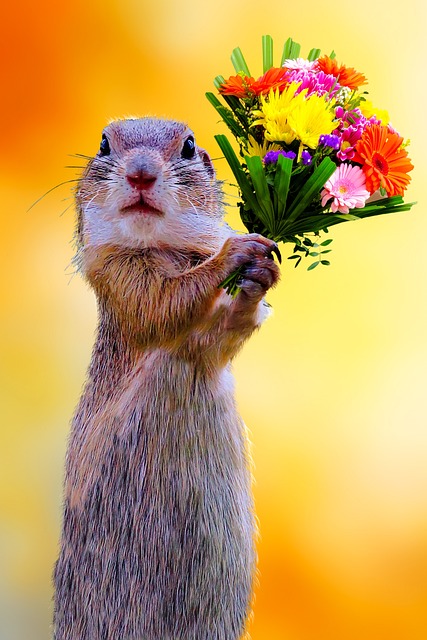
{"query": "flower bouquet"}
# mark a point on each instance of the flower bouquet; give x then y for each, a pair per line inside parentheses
(313, 150)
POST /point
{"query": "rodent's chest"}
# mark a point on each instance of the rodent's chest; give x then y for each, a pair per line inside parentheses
(170, 381)
(164, 425)
(161, 396)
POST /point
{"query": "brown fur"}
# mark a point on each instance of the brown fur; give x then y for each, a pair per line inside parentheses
(158, 530)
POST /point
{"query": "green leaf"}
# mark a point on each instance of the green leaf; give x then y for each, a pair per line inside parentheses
(332, 55)
(227, 116)
(282, 181)
(386, 205)
(267, 53)
(233, 103)
(326, 242)
(314, 254)
(295, 50)
(231, 282)
(310, 189)
(239, 174)
(213, 99)
(239, 62)
(313, 265)
(325, 262)
(286, 51)
(259, 181)
(235, 107)
(291, 50)
(319, 222)
(313, 55)
(218, 81)
(297, 258)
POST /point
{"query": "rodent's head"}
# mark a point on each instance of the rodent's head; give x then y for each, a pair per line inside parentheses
(149, 185)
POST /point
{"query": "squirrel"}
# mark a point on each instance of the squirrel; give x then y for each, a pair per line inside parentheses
(158, 531)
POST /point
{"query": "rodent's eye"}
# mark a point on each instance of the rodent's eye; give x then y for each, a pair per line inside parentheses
(188, 149)
(104, 147)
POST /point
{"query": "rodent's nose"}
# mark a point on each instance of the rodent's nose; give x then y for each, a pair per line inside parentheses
(141, 173)
(140, 179)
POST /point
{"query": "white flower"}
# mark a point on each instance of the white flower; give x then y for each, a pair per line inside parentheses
(298, 64)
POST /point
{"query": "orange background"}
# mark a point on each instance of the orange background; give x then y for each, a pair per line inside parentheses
(333, 388)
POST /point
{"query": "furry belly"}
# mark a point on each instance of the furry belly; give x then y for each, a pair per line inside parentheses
(158, 535)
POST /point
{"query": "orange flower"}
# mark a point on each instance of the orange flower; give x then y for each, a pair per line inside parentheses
(242, 86)
(274, 78)
(346, 76)
(239, 86)
(384, 161)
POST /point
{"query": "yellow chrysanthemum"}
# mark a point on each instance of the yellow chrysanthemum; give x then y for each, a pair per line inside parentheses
(310, 118)
(287, 117)
(255, 149)
(368, 110)
(274, 113)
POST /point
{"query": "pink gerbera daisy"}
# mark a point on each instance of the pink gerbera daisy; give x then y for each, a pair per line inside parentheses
(347, 187)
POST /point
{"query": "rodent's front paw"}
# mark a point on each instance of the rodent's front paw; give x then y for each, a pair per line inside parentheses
(254, 255)
(245, 249)
(258, 276)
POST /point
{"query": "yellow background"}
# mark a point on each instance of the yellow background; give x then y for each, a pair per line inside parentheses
(333, 387)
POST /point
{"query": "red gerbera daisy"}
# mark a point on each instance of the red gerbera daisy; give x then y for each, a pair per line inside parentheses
(239, 86)
(384, 162)
(346, 76)
(242, 86)
(274, 78)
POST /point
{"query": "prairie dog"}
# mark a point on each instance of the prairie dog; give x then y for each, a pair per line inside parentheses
(158, 529)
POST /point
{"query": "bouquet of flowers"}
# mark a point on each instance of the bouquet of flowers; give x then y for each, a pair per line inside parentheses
(314, 152)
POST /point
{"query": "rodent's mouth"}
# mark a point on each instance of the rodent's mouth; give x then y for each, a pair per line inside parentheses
(141, 207)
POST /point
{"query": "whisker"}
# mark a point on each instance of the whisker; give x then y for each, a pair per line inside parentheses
(50, 191)
(66, 209)
(80, 155)
(232, 195)
(71, 270)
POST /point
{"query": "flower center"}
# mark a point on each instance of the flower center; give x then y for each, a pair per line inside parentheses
(342, 188)
(380, 163)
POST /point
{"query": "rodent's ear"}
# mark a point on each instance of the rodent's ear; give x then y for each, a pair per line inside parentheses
(207, 162)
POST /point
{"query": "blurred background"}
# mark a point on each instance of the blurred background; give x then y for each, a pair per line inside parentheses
(333, 388)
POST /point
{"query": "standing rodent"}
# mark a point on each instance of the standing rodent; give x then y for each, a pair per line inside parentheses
(158, 530)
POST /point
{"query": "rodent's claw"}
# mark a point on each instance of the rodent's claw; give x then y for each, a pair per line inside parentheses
(270, 245)
(276, 250)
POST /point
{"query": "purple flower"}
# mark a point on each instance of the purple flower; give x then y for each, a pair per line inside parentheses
(306, 157)
(330, 141)
(271, 157)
